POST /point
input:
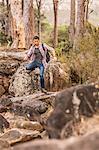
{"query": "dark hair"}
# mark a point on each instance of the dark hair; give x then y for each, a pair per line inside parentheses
(36, 37)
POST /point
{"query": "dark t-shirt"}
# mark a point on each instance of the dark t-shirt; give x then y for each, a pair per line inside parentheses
(38, 55)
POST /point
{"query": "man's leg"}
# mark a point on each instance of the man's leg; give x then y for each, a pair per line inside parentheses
(31, 66)
(42, 76)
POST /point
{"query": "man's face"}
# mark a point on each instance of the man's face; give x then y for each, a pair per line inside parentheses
(36, 42)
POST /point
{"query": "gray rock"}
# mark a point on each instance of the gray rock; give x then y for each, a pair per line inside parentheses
(8, 67)
(89, 142)
(4, 84)
(36, 105)
(29, 125)
(56, 76)
(6, 101)
(79, 100)
(15, 135)
(21, 82)
(30, 110)
(3, 109)
(2, 90)
(3, 124)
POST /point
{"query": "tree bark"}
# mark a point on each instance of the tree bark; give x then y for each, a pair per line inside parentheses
(7, 4)
(72, 23)
(39, 3)
(28, 17)
(22, 23)
(86, 11)
(13, 55)
(80, 22)
(17, 24)
(55, 5)
(3, 2)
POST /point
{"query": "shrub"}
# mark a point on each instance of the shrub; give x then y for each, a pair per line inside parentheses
(3, 38)
(83, 64)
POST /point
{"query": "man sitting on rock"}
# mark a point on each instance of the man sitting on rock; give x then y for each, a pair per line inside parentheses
(38, 56)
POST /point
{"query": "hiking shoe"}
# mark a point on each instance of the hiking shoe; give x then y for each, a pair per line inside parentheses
(43, 90)
(28, 71)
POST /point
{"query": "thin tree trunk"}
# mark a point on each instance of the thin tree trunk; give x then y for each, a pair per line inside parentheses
(80, 22)
(72, 23)
(28, 17)
(38, 3)
(39, 23)
(3, 2)
(80, 18)
(8, 17)
(7, 3)
(55, 5)
(86, 10)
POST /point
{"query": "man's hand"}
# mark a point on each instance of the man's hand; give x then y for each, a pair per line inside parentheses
(26, 58)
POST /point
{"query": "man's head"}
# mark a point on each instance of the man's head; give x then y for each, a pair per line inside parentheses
(36, 40)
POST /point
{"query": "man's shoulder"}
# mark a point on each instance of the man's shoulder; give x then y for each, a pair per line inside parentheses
(31, 47)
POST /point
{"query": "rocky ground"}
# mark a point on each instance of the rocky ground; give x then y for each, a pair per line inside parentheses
(28, 117)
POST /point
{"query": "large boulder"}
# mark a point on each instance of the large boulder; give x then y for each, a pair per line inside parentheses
(70, 104)
(89, 142)
(5, 103)
(25, 83)
(21, 82)
(56, 76)
(32, 106)
(15, 135)
(36, 108)
(4, 84)
(8, 67)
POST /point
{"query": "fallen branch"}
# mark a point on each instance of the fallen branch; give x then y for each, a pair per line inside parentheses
(38, 96)
(13, 55)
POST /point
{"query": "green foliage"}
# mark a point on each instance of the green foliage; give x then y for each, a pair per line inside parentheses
(47, 33)
(63, 39)
(3, 38)
(62, 33)
(83, 64)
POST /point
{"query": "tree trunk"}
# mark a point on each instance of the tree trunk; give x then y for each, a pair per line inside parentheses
(3, 2)
(17, 24)
(8, 19)
(28, 17)
(86, 11)
(7, 3)
(10, 23)
(55, 5)
(72, 23)
(80, 22)
(39, 23)
(38, 3)
(80, 18)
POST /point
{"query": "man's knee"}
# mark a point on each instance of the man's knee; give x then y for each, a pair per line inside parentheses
(28, 67)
